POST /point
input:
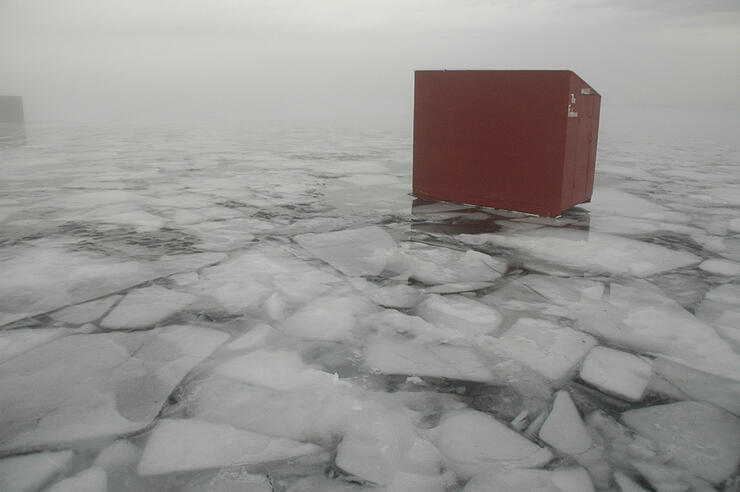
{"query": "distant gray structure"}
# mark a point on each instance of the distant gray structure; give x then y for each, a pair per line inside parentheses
(12, 121)
(11, 109)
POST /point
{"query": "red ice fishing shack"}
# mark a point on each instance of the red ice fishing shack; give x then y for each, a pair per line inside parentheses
(520, 140)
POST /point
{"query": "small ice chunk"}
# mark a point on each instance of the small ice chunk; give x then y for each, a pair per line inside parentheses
(616, 372)
(721, 267)
(119, 454)
(456, 312)
(564, 430)
(473, 442)
(86, 312)
(353, 252)
(325, 318)
(145, 307)
(278, 369)
(546, 347)
(435, 265)
(734, 225)
(392, 356)
(30, 472)
(185, 445)
(702, 438)
(91, 480)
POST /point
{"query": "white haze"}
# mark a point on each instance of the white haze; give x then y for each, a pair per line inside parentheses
(331, 60)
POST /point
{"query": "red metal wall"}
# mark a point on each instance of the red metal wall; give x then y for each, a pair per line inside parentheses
(502, 139)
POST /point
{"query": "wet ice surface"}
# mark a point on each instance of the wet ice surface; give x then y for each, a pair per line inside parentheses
(227, 309)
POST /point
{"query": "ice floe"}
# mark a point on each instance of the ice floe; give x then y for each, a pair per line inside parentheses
(391, 356)
(185, 445)
(550, 349)
(700, 437)
(459, 313)
(593, 252)
(145, 307)
(563, 429)
(353, 252)
(30, 472)
(473, 442)
(90, 480)
(104, 384)
(278, 369)
(616, 372)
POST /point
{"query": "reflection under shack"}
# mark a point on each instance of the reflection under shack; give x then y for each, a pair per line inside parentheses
(454, 218)
(12, 121)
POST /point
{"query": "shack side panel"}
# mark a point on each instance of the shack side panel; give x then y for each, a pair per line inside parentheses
(491, 138)
(11, 109)
(580, 150)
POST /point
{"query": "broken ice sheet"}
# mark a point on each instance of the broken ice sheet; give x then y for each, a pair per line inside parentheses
(86, 312)
(700, 437)
(636, 315)
(354, 252)
(550, 349)
(83, 387)
(30, 472)
(44, 278)
(16, 342)
(593, 252)
(185, 445)
(145, 307)
(473, 442)
(246, 280)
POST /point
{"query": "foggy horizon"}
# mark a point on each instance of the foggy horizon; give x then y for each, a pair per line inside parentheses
(290, 61)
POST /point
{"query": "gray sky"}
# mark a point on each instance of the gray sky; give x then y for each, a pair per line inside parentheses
(282, 59)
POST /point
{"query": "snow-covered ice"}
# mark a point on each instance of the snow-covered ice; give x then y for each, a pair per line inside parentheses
(227, 308)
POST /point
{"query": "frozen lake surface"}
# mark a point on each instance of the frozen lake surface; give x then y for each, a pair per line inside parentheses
(190, 308)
